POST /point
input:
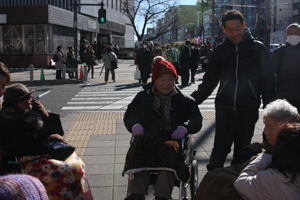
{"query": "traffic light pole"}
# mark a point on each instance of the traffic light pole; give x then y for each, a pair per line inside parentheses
(75, 25)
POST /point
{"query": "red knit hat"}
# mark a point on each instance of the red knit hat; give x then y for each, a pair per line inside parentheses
(162, 67)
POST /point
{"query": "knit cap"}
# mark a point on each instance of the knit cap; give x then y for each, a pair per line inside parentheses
(21, 187)
(162, 67)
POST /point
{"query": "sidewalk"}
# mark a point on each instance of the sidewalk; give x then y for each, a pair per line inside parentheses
(102, 140)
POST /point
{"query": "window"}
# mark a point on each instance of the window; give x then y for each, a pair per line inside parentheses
(116, 4)
(107, 3)
(120, 5)
(295, 18)
(295, 6)
(112, 4)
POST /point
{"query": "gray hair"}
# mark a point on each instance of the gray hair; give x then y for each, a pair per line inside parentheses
(295, 25)
(281, 110)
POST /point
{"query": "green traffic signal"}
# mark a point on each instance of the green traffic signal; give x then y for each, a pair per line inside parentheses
(102, 16)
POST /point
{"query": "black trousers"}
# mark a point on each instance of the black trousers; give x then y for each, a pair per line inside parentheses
(107, 73)
(231, 127)
(193, 72)
(89, 69)
(185, 75)
(58, 74)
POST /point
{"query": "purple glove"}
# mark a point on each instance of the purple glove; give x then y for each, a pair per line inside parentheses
(138, 130)
(179, 133)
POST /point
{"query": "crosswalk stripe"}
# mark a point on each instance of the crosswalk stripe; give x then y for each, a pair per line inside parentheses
(100, 98)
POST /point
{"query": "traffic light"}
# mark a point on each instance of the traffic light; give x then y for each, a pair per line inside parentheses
(227, 7)
(102, 16)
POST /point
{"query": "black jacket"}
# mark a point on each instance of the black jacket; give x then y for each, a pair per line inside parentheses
(22, 133)
(195, 57)
(185, 58)
(286, 60)
(184, 112)
(245, 72)
(144, 60)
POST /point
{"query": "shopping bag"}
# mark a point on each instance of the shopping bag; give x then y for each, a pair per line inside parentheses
(137, 74)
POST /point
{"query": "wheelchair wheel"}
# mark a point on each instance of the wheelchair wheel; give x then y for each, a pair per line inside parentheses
(194, 178)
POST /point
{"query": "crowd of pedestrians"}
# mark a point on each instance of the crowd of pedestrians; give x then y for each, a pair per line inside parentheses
(185, 57)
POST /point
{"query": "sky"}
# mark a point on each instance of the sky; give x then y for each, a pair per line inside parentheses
(187, 2)
(181, 2)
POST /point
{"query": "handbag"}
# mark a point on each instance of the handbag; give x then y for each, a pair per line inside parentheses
(137, 74)
(52, 124)
(113, 64)
(60, 150)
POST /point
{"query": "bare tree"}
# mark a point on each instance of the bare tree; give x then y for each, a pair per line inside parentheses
(148, 12)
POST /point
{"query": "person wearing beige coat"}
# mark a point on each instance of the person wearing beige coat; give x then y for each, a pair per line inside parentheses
(107, 58)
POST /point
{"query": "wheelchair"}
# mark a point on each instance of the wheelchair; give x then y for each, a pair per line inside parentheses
(192, 184)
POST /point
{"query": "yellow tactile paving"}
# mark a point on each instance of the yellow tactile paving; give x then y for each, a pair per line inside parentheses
(87, 124)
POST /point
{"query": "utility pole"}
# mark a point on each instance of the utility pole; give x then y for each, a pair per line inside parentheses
(258, 23)
(75, 26)
(268, 23)
(213, 19)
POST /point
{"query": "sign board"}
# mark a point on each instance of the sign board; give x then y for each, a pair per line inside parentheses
(92, 24)
(277, 37)
(3, 18)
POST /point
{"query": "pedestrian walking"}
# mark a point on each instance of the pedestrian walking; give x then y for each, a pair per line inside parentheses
(185, 61)
(156, 51)
(286, 60)
(195, 57)
(60, 62)
(144, 62)
(173, 56)
(90, 59)
(107, 58)
(245, 71)
(70, 62)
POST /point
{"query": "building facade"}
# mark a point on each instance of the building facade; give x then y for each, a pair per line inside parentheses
(31, 30)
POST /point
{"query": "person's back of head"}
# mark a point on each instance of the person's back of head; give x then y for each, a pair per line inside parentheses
(58, 47)
(285, 157)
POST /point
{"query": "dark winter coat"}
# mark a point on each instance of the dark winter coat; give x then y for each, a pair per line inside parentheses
(286, 61)
(70, 61)
(184, 112)
(22, 132)
(144, 60)
(195, 57)
(90, 58)
(185, 58)
(245, 72)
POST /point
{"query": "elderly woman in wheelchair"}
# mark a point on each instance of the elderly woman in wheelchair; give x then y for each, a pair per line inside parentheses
(158, 117)
(26, 135)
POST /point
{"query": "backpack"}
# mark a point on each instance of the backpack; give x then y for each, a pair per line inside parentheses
(55, 58)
